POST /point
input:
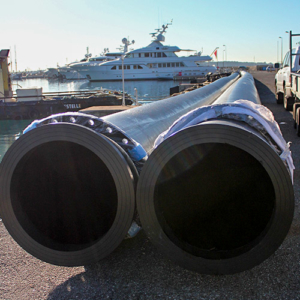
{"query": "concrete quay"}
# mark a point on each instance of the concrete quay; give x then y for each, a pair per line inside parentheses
(136, 270)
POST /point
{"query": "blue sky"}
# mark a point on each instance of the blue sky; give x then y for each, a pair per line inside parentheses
(47, 32)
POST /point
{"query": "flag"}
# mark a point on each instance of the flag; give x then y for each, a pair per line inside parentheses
(216, 54)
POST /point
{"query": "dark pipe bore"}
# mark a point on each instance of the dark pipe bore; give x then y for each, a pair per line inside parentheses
(63, 196)
(214, 200)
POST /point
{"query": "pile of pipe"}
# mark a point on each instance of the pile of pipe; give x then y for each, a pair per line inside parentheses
(208, 177)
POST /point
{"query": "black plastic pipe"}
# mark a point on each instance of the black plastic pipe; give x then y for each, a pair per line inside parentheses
(67, 194)
(143, 124)
(216, 197)
(242, 89)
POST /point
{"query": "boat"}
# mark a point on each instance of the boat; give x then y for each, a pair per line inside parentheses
(68, 73)
(155, 61)
(84, 68)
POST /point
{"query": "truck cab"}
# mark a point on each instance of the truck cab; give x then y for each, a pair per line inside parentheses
(283, 80)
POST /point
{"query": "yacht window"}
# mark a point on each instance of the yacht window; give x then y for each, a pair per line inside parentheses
(150, 65)
(173, 65)
(128, 55)
(139, 67)
(114, 68)
(159, 65)
(140, 55)
(177, 64)
(168, 65)
(120, 67)
(159, 54)
(181, 64)
(127, 67)
(164, 54)
(154, 66)
(135, 66)
(164, 65)
(146, 54)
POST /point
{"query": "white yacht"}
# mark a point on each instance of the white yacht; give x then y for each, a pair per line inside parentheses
(156, 61)
(84, 68)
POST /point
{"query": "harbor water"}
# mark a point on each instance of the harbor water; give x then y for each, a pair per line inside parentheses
(146, 90)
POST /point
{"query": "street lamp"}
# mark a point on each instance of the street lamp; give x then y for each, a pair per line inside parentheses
(277, 50)
(217, 58)
(281, 49)
(225, 52)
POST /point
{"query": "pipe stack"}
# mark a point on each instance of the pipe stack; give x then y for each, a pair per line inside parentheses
(68, 183)
(214, 196)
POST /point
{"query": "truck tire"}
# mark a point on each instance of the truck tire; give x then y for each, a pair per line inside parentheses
(288, 102)
(297, 121)
(295, 107)
(278, 95)
(279, 98)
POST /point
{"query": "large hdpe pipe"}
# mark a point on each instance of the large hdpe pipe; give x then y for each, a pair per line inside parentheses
(244, 88)
(67, 194)
(216, 197)
(67, 186)
(145, 123)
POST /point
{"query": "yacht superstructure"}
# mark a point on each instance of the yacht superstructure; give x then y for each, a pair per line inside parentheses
(83, 67)
(155, 61)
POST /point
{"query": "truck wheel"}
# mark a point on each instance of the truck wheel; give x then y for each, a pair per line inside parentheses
(279, 98)
(288, 102)
(295, 107)
(297, 121)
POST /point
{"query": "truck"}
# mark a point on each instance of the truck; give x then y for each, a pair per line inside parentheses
(287, 82)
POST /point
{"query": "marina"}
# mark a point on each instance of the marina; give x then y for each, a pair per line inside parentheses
(153, 62)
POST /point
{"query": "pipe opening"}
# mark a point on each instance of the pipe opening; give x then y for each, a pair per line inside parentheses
(214, 200)
(63, 196)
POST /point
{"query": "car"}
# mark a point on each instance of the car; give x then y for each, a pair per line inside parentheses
(270, 69)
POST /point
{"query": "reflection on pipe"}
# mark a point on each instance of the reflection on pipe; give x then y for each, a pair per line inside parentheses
(244, 88)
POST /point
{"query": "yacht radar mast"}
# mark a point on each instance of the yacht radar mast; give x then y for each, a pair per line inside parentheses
(126, 44)
(158, 35)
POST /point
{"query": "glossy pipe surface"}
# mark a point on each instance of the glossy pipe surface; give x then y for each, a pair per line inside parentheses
(242, 89)
(145, 123)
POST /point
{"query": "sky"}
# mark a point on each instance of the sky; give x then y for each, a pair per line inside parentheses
(44, 33)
